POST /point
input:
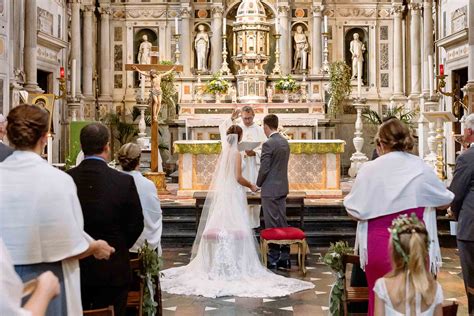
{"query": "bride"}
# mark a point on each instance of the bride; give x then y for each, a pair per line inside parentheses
(224, 259)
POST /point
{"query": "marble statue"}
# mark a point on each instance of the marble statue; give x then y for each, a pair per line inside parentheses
(232, 92)
(357, 49)
(144, 51)
(269, 94)
(301, 50)
(201, 45)
(155, 91)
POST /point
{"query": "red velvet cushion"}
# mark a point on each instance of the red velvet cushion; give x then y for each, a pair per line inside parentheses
(282, 233)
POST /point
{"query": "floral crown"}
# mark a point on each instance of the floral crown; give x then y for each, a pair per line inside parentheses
(406, 225)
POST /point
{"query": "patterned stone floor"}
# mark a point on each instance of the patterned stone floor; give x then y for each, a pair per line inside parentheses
(311, 302)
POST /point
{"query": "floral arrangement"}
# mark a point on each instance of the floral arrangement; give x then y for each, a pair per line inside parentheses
(217, 84)
(333, 258)
(151, 265)
(286, 84)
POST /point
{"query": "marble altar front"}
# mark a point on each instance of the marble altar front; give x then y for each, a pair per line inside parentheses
(314, 166)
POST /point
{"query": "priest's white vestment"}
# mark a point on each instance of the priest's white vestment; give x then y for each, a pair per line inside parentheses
(251, 164)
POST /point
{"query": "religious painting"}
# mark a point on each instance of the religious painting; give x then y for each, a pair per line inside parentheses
(356, 42)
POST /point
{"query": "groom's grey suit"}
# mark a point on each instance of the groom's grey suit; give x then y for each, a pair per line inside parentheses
(273, 179)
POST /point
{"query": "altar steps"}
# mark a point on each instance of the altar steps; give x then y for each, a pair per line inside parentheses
(323, 224)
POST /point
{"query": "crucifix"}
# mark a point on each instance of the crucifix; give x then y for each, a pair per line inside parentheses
(155, 73)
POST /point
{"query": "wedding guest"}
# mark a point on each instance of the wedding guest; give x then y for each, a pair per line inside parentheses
(11, 289)
(112, 211)
(129, 159)
(41, 219)
(462, 206)
(252, 132)
(409, 286)
(5, 150)
(402, 184)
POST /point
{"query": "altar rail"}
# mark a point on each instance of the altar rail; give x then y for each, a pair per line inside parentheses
(314, 166)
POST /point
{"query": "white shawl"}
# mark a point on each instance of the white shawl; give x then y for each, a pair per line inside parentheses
(41, 218)
(392, 183)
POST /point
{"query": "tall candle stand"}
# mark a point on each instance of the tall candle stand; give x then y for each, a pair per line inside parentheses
(74, 104)
(277, 67)
(225, 66)
(325, 67)
(358, 158)
(177, 53)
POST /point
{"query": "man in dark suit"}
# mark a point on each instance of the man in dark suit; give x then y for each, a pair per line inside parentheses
(462, 206)
(112, 212)
(5, 150)
(273, 179)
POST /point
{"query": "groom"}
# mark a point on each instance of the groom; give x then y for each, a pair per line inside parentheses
(273, 179)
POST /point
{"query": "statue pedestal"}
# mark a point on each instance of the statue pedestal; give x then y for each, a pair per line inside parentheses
(158, 178)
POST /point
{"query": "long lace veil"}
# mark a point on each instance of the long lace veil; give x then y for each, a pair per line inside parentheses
(222, 186)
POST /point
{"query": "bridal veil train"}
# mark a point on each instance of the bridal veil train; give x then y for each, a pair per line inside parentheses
(224, 259)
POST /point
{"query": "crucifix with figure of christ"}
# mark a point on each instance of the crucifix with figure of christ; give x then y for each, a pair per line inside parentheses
(155, 73)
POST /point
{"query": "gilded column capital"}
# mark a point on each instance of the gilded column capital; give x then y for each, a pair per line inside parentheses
(88, 9)
(397, 10)
(317, 10)
(284, 9)
(105, 9)
(415, 8)
(217, 11)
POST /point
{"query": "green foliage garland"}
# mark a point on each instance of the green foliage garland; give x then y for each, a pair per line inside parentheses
(287, 84)
(150, 271)
(217, 84)
(339, 86)
(333, 258)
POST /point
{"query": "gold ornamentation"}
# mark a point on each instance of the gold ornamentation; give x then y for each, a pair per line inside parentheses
(316, 148)
(158, 179)
(198, 148)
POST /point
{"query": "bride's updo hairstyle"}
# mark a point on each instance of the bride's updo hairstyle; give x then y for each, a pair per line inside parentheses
(395, 136)
(129, 156)
(235, 129)
(26, 125)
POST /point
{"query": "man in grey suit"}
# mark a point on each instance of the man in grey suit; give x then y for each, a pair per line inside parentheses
(273, 179)
(5, 150)
(463, 208)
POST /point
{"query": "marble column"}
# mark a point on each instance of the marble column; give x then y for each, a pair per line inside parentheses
(87, 61)
(216, 39)
(285, 42)
(415, 49)
(105, 82)
(31, 42)
(317, 41)
(427, 43)
(185, 40)
(397, 11)
(470, 79)
(76, 41)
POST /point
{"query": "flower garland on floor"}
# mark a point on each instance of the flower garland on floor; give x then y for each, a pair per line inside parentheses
(150, 270)
(333, 258)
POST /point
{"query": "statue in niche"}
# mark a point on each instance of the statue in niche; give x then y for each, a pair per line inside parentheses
(201, 45)
(269, 94)
(301, 50)
(357, 49)
(144, 51)
(232, 92)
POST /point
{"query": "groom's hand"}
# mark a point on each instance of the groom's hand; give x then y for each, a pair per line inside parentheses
(250, 153)
(253, 188)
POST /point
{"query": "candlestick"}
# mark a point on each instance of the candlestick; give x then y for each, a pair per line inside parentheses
(441, 70)
(61, 72)
(325, 24)
(224, 25)
(430, 74)
(73, 79)
(176, 25)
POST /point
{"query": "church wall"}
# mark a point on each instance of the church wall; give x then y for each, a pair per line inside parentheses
(5, 56)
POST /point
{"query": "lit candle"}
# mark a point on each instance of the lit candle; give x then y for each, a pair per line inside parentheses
(176, 25)
(50, 148)
(73, 79)
(277, 26)
(325, 24)
(430, 74)
(224, 25)
(61, 72)
(441, 70)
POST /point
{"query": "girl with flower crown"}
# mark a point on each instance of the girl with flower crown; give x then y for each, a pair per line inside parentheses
(409, 289)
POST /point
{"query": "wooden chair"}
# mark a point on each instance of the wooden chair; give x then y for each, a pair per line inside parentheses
(352, 294)
(450, 310)
(135, 295)
(109, 311)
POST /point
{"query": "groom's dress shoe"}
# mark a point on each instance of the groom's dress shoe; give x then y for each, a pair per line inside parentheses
(271, 266)
(284, 264)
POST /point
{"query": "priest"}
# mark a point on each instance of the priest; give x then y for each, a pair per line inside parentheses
(251, 158)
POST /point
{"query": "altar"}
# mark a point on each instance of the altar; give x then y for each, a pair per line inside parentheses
(314, 166)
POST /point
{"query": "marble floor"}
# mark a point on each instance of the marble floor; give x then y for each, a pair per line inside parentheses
(311, 302)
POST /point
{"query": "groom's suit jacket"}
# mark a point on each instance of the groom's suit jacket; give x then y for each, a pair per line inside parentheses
(273, 173)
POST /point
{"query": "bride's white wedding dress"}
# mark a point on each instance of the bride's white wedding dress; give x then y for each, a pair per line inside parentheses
(225, 261)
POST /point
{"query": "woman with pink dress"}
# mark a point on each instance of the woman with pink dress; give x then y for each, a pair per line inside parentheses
(396, 183)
